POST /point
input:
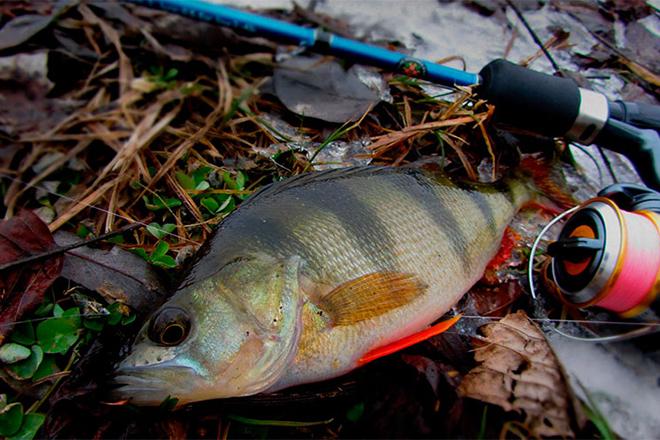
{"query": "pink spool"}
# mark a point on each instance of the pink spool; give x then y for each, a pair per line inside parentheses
(638, 266)
(609, 258)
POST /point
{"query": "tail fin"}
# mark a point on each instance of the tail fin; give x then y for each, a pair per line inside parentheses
(545, 180)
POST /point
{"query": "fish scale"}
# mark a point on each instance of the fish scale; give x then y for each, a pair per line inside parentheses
(350, 233)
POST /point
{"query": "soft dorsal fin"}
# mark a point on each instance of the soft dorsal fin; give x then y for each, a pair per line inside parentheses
(370, 295)
(321, 176)
(406, 342)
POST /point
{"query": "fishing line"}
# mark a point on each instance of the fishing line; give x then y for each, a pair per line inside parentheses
(574, 321)
(45, 318)
(646, 327)
(530, 265)
(98, 208)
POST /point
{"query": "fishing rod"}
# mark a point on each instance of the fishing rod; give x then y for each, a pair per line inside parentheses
(523, 98)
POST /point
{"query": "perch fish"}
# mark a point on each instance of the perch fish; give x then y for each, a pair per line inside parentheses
(314, 276)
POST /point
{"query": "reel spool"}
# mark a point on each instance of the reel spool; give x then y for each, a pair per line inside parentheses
(608, 252)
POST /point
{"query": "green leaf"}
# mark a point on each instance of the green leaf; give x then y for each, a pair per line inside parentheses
(116, 239)
(228, 206)
(355, 412)
(58, 311)
(115, 318)
(25, 369)
(23, 334)
(94, 324)
(119, 313)
(48, 367)
(73, 313)
(171, 74)
(202, 186)
(200, 174)
(44, 309)
(83, 231)
(141, 252)
(263, 422)
(159, 231)
(186, 181)
(160, 203)
(164, 261)
(11, 417)
(11, 353)
(31, 424)
(241, 178)
(229, 181)
(57, 335)
(126, 320)
(168, 404)
(210, 204)
(161, 249)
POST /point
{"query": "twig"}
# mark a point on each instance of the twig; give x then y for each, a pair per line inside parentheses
(62, 249)
(535, 37)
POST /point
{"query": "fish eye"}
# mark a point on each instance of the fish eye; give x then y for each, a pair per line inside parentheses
(169, 327)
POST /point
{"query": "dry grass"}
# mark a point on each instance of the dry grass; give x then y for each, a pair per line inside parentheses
(137, 130)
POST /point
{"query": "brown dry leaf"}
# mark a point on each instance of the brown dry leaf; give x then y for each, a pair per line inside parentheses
(22, 289)
(116, 274)
(518, 371)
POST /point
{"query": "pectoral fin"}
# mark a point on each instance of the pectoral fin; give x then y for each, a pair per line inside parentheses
(370, 295)
(408, 341)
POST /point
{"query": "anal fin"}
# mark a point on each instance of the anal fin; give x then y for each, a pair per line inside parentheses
(408, 341)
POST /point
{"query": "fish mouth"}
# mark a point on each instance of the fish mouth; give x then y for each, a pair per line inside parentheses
(143, 386)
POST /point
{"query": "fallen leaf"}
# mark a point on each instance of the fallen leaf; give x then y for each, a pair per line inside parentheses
(25, 369)
(642, 46)
(519, 372)
(22, 28)
(22, 288)
(11, 353)
(315, 87)
(116, 274)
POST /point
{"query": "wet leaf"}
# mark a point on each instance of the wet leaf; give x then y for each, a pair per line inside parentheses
(23, 334)
(25, 369)
(210, 204)
(31, 424)
(186, 181)
(22, 28)
(11, 353)
(47, 367)
(314, 87)
(355, 412)
(117, 274)
(518, 371)
(23, 288)
(11, 417)
(159, 203)
(57, 335)
(159, 231)
(161, 249)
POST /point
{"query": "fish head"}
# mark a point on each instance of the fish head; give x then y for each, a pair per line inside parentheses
(232, 334)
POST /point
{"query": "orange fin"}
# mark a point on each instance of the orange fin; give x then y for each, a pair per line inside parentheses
(549, 180)
(370, 295)
(408, 341)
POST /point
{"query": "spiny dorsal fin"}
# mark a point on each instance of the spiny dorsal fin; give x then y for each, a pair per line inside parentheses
(321, 176)
(370, 295)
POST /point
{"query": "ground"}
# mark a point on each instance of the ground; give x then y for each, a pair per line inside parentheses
(128, 121)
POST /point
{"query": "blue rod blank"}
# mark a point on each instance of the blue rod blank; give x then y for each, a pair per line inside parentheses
(315, 39)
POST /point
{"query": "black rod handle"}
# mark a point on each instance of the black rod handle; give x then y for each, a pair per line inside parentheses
(641, 146)
(527, 99)
(636, 113)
